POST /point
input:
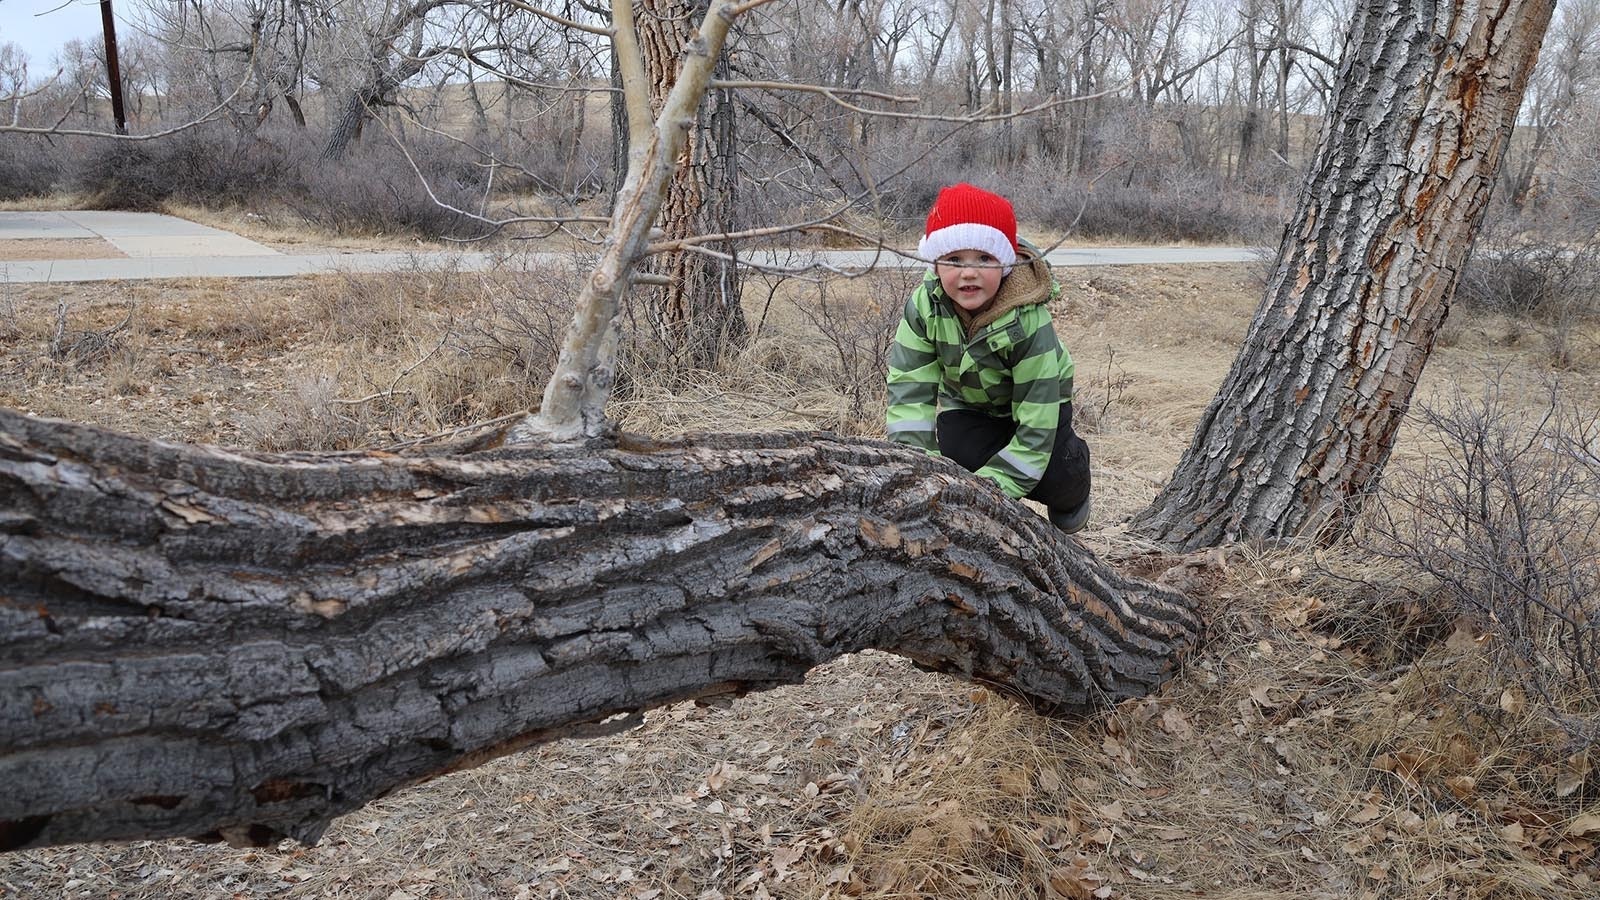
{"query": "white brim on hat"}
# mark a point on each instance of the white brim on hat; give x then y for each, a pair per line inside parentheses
(968, 236)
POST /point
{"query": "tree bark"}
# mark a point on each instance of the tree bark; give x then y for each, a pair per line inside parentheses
(1305, 420)
(574, 403)
(696, 313)
(239, 646)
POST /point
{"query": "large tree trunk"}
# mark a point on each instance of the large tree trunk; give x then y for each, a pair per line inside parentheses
(234, 645)
(696, 313)
(346, 128)
(387, 68)
(1304, 423)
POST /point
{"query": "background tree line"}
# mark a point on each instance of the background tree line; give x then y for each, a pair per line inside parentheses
(1190, 119)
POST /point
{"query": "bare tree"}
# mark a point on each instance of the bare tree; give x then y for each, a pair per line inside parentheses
(392, 48)
(14, 82)
(1306, 418)
(1567, 73)
(695, 307)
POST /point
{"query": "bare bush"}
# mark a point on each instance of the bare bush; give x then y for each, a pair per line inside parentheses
(28, 168)
(307, 417)
(1551, 278)
(1096, 394)
(86, 346)
(1199, 208)
(857, 330)
(1500, 520)
(428, 350)
(374, 190)
(521, 319)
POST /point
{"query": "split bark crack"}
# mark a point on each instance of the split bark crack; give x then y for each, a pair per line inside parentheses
(241, 646)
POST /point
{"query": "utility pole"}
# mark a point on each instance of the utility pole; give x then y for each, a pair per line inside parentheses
(113, 71)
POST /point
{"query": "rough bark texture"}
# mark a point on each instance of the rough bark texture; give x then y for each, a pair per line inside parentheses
(232, 645)
(1304, 423)
(697, 313)
(575, 397)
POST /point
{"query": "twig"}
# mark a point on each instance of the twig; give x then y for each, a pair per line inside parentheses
(563, 22)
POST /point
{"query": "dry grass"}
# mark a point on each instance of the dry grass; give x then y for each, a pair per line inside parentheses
(1329, 740)
(290, 234)
(44, 203)
(57, 248)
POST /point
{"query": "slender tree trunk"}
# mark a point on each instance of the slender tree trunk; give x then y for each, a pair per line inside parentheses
(577, 104)
(1008, 133)
(697, 313)
(295, 110)
(1281, 78)
(480, 115)
(240, 646)
(620, 139)
(1305, 421)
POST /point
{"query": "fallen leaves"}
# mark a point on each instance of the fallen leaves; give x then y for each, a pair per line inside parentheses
(1077, 881)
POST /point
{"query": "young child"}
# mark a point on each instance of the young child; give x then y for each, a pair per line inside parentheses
(977, 373)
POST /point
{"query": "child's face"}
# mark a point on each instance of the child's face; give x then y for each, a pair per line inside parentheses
(970, 277)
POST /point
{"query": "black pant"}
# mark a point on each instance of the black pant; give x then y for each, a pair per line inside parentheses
(972, 438)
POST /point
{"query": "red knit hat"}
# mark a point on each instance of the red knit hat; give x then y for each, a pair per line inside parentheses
(970, 218)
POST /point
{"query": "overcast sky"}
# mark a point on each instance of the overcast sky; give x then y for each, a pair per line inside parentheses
(40, 27)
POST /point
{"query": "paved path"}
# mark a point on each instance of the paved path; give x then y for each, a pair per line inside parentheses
(139, 235)
(160, 246)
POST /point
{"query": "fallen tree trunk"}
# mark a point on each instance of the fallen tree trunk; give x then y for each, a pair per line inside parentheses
(242, 646)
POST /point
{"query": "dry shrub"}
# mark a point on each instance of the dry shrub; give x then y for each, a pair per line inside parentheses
(374, 189)
(1500, 522)
(1097, 394)
(418, 353)
(82, 347)
(1194, 207)
(1550, 280)
(854, 322)
(816, 359)
(519, 317)
(1469, 786)
(30, 167)
(308, 416)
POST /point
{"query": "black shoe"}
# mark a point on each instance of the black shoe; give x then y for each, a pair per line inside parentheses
(1071, 520)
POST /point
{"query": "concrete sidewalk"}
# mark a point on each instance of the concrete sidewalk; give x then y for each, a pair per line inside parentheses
(160, 246)
(56, 271)
(138, 235)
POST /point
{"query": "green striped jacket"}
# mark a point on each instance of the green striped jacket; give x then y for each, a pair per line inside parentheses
(1010, 363)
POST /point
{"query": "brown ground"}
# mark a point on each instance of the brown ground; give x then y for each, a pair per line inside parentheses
(58, 248)
(1295, 757)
